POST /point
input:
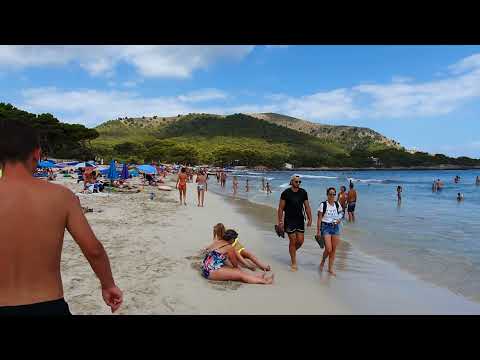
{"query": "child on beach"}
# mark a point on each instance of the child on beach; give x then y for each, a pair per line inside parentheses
(215, 267)
(219, 233)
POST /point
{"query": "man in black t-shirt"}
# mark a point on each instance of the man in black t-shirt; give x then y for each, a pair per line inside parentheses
(292, 202)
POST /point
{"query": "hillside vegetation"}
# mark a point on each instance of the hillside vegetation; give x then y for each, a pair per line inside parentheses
(257, 139)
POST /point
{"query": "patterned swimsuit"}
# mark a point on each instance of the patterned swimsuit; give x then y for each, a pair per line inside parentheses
(214, 260)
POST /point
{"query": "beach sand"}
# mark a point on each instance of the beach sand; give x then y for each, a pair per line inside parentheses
(154, 249)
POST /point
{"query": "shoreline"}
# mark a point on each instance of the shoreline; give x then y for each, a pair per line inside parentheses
(380, 281)
(397, 168)
(154, 248)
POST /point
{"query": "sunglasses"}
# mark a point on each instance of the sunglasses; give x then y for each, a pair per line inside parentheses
(298, 181)
(332, 194)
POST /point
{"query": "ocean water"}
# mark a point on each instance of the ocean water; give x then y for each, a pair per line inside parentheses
(429, 235)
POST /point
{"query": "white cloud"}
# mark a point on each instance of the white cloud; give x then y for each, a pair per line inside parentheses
(400, 98)
(471, 62)
(203, 95)
(401, 79)
(148, 60)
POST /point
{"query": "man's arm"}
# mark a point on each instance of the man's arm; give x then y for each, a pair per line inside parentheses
(82, 233)
(309, 212)
(281, 206)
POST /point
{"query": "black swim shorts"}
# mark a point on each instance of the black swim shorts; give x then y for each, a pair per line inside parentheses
(351, 207)
(49, 308)
(294, 226)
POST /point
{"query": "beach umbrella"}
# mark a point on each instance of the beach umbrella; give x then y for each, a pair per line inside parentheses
(147, 169)
(125, 175)
(46, 164)
(112, 171)
(84, 164)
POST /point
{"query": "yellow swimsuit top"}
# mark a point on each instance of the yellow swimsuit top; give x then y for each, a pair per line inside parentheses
(237, 246)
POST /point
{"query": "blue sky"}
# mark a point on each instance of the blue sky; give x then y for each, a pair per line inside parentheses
(425, 97)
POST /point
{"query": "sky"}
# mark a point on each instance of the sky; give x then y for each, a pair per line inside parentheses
(425, 97)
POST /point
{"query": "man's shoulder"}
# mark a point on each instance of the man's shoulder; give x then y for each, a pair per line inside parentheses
(57, 189)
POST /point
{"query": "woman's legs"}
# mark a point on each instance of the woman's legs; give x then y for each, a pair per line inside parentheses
(202, 196)
(184, 191)
(232, 274)
(254, 259)
(327, 251)
(331, 259)
(198, 195)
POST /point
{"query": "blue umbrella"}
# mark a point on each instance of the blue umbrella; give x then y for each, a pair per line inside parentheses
(46, 164)
(112, 171)
(125, 174)
(147, 169)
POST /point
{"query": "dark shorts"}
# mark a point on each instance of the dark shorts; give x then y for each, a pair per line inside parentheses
(49, 308)
(351, 207)
(293, 226)
(330, 229)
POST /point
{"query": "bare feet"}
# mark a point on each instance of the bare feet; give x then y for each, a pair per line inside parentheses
(293, 267)
(332, 272)
(322, 264)
(267, 268)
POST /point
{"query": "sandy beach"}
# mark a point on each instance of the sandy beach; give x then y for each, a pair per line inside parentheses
(154, 251)
(154, 248)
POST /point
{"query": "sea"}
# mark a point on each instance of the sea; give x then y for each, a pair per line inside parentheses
(429, 234)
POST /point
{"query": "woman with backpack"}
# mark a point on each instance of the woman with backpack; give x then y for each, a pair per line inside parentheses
(328, 220)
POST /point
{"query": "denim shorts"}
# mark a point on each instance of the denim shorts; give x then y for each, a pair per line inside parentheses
(330, 229)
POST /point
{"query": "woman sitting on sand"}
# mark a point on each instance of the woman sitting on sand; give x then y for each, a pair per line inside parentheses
(242, 254)
(214, 265)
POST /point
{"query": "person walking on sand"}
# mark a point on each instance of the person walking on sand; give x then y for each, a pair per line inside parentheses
(34, 216)
(351, 200)
(201, 187)
(328, 220)
(263, 183)
(247, 187)
(182, 185)
(293, 203)
(235, 185)
(269, 190)
(399, 193)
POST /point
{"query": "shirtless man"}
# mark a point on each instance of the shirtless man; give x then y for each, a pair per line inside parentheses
(352, 200)
(182, 185)
(34, 215)
(201, 187)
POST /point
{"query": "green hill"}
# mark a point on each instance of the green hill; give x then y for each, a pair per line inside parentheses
(349, 137)
(257, 139)
(207, 138)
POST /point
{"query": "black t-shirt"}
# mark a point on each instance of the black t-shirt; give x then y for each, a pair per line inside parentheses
(294, 204)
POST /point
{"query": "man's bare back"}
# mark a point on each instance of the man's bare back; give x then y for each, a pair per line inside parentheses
(34, 216)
